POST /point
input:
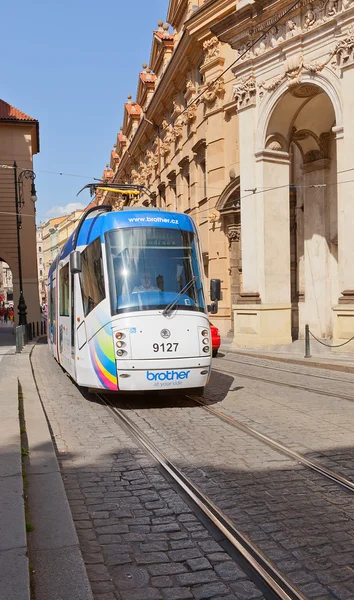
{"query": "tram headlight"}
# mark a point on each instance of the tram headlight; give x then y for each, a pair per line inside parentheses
(205, 341)
(119, 335)
(120, 344)
(206, 349)
(204, 332)
(120, 352)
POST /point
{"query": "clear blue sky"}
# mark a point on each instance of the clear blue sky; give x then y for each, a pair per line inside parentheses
(71, 64)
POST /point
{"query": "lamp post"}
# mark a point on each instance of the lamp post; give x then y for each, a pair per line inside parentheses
(19, 198)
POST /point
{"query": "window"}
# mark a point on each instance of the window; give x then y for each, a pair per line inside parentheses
(51, 309)
(64, 291)
(91, 277)
(41, 273)
(150, 267)
(203, 178)
(40, 261)
(40, 249)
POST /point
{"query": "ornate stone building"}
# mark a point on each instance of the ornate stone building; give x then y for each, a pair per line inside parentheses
(244, 120)
(294, 94)
(179, 138)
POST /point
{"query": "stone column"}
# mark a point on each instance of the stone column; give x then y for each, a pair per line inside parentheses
(250, 282)
(316, 309)
(265, 251)
(343, 312)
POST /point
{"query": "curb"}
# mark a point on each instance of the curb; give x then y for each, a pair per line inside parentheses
(308, 362)
(14, 564)
(55, 555)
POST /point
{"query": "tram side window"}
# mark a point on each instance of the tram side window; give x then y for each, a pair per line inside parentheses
(64, 291)
(92, 277)
(51, 309)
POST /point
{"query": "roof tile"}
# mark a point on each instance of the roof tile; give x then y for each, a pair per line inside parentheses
(10, 113)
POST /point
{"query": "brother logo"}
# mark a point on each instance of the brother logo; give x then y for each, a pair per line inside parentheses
(167, 375)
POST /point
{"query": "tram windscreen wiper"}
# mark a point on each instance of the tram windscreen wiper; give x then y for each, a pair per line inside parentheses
(170, 306)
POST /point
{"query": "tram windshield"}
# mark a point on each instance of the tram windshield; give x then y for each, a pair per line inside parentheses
(152, 267)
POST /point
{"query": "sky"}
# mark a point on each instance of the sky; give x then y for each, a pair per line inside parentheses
(71, 64)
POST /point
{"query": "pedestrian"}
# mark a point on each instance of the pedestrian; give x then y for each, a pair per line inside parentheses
(2, 312)
(6, 316)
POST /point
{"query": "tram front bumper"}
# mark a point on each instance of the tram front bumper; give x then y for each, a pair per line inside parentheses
(163, 377)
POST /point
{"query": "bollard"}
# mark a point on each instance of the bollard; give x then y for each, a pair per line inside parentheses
(18, 331)
(307, 342)
(37, 329)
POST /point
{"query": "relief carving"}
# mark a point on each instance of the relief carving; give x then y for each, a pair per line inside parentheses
(191, 113)
(344, 50)
(309, 20)
(312, 14)
(294, 67)
(215, 91)
(178, 130)
(244, 92)
(331, 8)
(211, 49)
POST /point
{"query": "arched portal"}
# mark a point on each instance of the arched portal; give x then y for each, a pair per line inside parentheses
(228, 205)
(7, 309)
(289, 214)
(301, 125)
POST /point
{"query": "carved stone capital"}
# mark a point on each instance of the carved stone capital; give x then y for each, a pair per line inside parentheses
(233, 233)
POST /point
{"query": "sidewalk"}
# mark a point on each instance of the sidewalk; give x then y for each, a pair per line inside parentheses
(322, 356)
(51, 549)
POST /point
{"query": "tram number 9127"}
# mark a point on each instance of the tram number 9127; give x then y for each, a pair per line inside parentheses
(165, 347)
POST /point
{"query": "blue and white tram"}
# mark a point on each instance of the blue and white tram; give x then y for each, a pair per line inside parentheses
(126, 306)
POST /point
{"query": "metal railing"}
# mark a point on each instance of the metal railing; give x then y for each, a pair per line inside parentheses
(309, 333)
(26, 333)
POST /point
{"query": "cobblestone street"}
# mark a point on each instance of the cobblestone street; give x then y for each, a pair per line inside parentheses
(139, 536)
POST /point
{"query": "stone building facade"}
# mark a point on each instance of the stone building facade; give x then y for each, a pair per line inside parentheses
(244, 120)
(19, 141)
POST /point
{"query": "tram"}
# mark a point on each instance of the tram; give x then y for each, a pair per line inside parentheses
(126, 304)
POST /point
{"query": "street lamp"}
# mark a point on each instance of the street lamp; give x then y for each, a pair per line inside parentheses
(20, 201)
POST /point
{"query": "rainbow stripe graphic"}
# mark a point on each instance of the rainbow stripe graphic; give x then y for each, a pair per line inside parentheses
(102, 356)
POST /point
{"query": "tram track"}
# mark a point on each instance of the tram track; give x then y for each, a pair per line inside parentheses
(283, 383)
(261, 569)
(311, 464)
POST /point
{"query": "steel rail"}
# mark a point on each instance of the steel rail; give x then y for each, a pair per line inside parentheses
(312, 464)
(284, 384)
(274, 581)
(277, 368)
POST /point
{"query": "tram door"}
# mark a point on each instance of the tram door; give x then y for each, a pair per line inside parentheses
(65, 320)
(72, 314)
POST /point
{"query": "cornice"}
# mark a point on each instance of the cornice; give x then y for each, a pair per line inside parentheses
(175, 12)
(200, 21)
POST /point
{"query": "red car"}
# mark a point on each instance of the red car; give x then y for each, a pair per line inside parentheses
(215, 339)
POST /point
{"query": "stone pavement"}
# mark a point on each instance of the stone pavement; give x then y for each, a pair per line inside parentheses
(117, 529)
